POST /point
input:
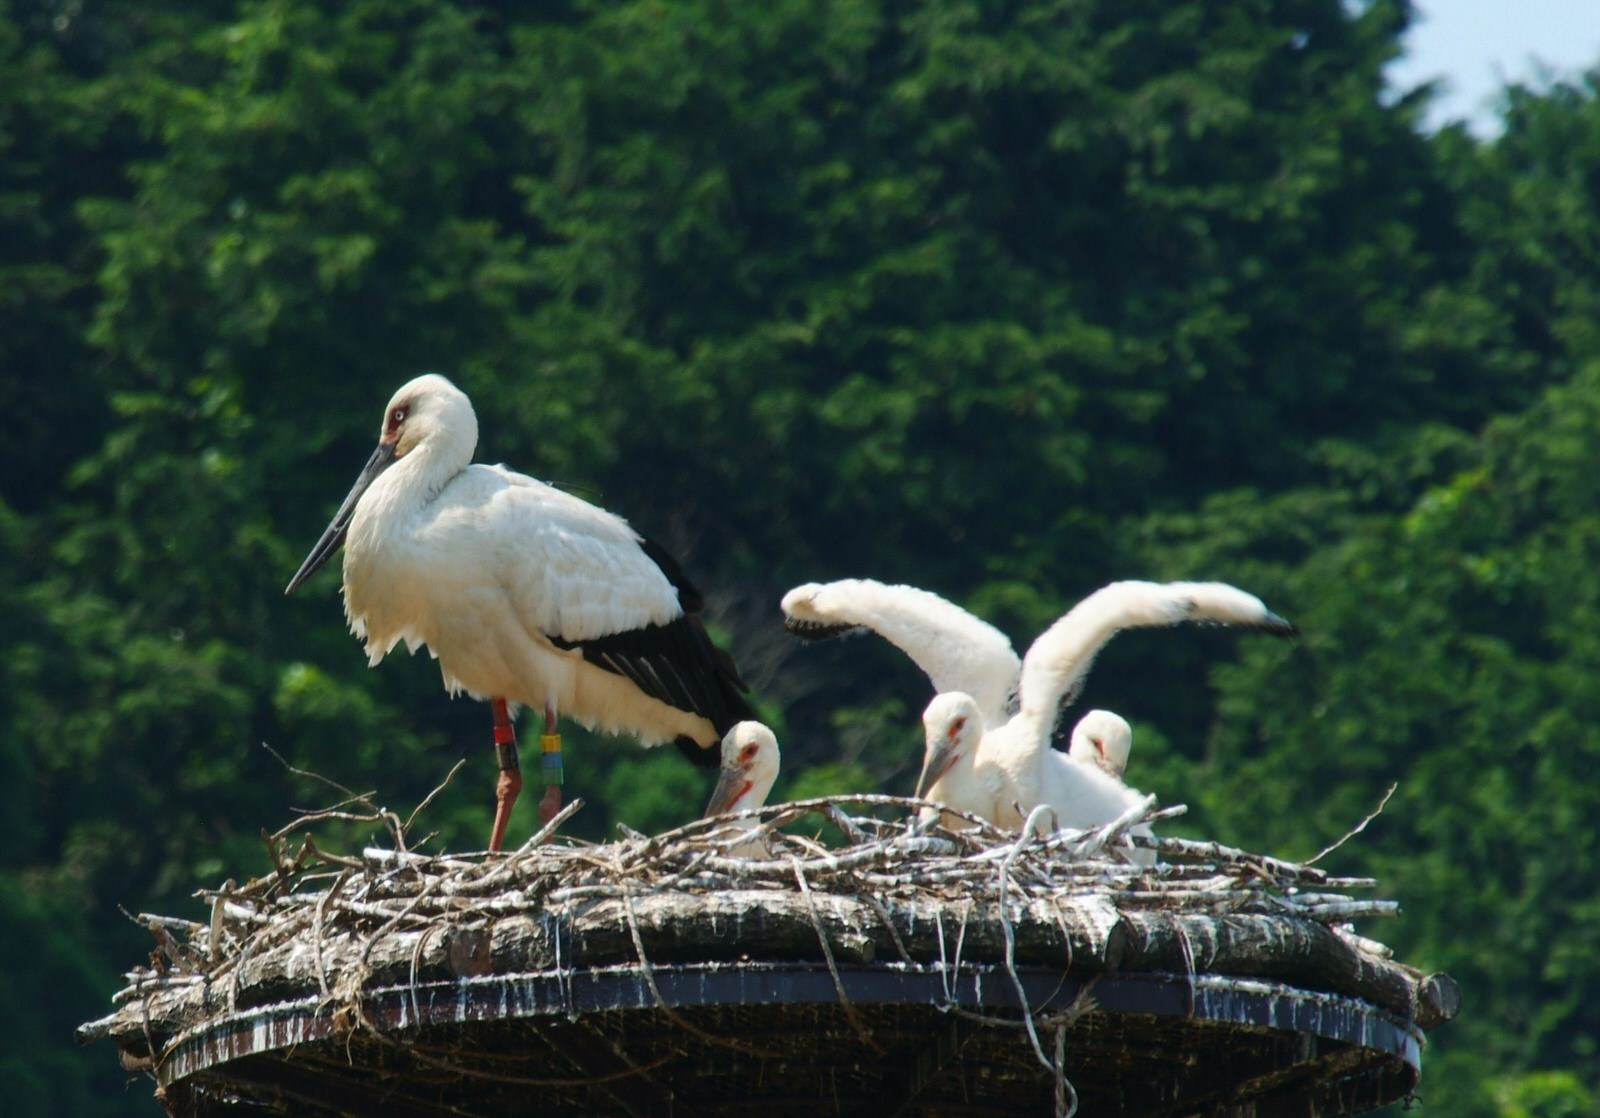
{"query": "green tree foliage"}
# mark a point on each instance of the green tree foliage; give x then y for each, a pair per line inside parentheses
(1005, 299)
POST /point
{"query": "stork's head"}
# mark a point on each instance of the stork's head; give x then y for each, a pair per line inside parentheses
(433, 412)
(952, 728)
(1102, 739)
(427, 413)
(749, 766)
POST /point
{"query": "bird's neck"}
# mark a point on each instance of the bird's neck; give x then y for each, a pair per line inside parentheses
(1080, 748)
(415, 480)
(1028, 731)
(959, 776)
(1017, 751)
(396, 500)
(754, 796)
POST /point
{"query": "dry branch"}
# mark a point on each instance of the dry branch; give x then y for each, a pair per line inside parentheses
(333, 926)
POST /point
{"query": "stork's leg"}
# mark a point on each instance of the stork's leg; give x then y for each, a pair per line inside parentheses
(510, 782)
(550, 764)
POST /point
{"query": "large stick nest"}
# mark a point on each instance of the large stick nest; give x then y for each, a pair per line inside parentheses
(894, 891)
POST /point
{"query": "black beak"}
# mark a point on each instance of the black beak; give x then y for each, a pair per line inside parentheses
(333, 534)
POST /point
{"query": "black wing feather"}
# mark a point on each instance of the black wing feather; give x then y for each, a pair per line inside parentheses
(688, 594)
(676, 663)
(817, 630)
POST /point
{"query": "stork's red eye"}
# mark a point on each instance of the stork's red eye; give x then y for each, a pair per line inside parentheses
(747, 753)
(958, 725)
(397, 417)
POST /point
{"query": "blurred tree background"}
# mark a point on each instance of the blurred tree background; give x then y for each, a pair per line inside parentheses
(1004, 298)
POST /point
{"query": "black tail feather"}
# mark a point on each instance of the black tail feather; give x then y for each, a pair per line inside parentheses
(703, 756)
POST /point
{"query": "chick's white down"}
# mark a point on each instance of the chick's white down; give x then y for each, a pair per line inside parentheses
(961, 652)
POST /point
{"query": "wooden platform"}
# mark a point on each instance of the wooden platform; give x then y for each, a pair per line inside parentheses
(596, 1042)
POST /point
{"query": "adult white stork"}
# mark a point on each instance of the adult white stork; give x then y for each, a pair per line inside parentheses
(1013, 769)
(750, 762)
(525, 594)
(960, 652)
(1104, 740)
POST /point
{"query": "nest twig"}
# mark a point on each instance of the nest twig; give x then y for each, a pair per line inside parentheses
(395, 911)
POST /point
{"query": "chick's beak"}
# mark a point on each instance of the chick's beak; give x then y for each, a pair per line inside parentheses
(732, 784)
(935, 764)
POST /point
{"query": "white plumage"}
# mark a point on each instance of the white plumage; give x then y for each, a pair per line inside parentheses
(750, 762)
(1025, 774)
(1104, 740)
(982, 773)
(1003, 772)
(953, 729)
(488, 572)
(504, 578)
(955, 650)
(523, 593)
(1058, 662)
(961, 652)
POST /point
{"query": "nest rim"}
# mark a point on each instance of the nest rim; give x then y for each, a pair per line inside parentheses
(1390, 1046)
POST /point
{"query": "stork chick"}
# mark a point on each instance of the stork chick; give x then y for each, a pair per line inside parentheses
(1104, 740)
(969, 768)
(750, 761)
(960, 652)
(953, 727)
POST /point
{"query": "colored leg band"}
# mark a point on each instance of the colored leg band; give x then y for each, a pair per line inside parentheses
(505, 752)
(550, 758)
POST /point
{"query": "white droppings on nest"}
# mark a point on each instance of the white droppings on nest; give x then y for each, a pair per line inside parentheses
(964, 902)
(332, 923)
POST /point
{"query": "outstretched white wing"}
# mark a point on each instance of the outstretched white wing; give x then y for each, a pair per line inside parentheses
(1056, 665)
(957, 651)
